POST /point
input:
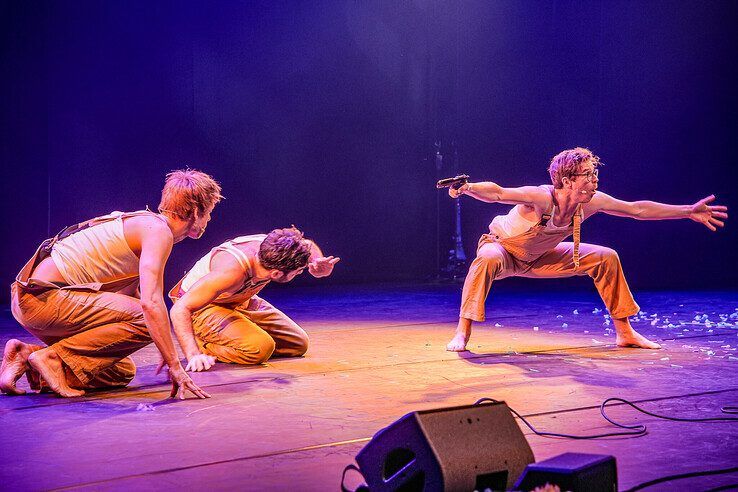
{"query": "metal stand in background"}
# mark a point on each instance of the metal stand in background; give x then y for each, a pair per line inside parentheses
(455, 267)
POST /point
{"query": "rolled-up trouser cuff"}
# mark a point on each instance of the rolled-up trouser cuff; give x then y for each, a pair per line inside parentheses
(471, 316)
(625, 312)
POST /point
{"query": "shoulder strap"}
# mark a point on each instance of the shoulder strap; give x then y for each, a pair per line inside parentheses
(546, 216)
(69, 230)
(240, 256)
(176, 292)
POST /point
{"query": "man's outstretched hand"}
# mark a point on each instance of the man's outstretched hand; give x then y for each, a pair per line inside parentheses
(181, 382)
(322, 267)
(707, 214)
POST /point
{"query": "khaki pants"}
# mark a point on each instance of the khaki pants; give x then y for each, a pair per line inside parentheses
(92, 332)
(247, 333)
(493, 262)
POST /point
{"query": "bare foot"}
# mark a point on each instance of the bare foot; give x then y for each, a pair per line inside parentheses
(34, 380)
(628, 337)
(50, 368)
(458, 342)
(635, 339)
(460, 339)
(15, 363)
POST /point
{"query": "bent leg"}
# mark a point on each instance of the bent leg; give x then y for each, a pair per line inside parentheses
(88, 333)
(229, 336)
(289, 338)
(603, 265)
(492, 262)
(600, 263)
(109, 327)
(118, 375)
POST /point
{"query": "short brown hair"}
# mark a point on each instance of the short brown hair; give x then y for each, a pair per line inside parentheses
(189, 193)
(566, 164)
(285, 250)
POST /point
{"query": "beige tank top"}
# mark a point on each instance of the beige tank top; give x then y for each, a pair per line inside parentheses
(98, 253)
(249, 288)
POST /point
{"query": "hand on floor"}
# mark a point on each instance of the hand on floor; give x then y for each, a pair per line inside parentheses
(200, 362)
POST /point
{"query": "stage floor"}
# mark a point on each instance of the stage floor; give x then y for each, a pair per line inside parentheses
(377, 353)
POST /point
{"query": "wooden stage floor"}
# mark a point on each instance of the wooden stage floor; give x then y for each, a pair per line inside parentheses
(377, 353)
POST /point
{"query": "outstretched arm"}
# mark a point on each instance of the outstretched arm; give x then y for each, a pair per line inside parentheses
(702, 211)
(490, 192)
(319, 265)
(225, 275)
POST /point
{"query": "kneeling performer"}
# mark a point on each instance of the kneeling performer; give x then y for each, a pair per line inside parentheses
(217, 314)
(94, 293)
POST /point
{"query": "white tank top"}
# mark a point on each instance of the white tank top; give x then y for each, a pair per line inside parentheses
(202, 267)
(513, 224)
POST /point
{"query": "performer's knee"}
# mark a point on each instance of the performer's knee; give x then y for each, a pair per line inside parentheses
(301, 345)
(609, 256)
(118, 375)
(126, 369)
(488, 260)
(261, 350)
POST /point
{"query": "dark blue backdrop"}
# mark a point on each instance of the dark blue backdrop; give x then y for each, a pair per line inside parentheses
(324, 115)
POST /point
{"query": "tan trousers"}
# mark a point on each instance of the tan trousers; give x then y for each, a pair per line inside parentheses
(248, 334)
(493, 262)
(92, 332)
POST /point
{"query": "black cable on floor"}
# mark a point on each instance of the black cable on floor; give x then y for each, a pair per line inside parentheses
(669, 478)
(675, 419)
(637, 430)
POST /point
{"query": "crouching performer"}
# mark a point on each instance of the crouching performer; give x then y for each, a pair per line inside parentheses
(217, 314)
(527, 242)
(94, 294)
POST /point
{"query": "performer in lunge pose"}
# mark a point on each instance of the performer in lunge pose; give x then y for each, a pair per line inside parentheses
(527, 242)
(94, 294)
(217, 314)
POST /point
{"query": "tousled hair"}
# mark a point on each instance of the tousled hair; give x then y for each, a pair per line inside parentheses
(189, 194)
(566, 164)
(285, 250)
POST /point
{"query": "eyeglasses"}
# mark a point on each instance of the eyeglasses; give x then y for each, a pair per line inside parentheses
(589, 174)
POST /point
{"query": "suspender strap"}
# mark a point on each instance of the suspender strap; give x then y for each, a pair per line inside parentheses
(546, 216)
(44, 250)
(577, 222)
(69, 230)
(577, 234)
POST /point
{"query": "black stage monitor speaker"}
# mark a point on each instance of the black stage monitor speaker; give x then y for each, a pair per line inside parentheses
(577, 472)
(467, 448)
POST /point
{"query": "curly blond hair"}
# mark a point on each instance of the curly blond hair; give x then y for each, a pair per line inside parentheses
(566, 164)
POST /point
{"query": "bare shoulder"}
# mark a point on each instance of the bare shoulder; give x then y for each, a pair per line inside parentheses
(600, 201)
(224, 262)
(149, 228)
(151, 222)
(543, 197)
